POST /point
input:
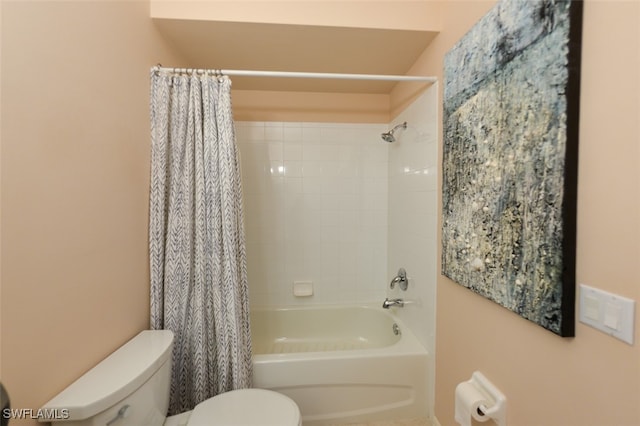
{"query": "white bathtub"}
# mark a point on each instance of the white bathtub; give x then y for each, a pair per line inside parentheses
(341, 363)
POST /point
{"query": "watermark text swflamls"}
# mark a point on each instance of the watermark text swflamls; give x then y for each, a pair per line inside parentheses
(39, 414)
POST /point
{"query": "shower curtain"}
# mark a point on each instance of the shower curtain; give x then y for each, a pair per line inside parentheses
(196, 238)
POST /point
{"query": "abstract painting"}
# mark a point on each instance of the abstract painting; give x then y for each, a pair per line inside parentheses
(511, 99)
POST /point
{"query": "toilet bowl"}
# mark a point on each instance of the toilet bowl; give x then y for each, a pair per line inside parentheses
(231, 409)
(131, 388)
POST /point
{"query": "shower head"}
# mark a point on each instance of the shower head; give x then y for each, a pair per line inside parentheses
(388, 136)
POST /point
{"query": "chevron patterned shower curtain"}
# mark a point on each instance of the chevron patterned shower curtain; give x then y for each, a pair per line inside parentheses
(196, 238)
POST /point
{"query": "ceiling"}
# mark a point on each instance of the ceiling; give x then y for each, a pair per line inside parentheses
(300, 48)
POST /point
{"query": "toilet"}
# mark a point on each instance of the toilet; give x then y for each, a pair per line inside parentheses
(131, 388)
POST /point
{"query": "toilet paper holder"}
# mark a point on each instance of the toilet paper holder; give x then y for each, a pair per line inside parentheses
(498, 410)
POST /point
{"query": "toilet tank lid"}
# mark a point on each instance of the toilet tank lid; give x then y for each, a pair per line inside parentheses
(116, 377)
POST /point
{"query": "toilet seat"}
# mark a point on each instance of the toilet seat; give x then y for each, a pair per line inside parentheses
(246, 407)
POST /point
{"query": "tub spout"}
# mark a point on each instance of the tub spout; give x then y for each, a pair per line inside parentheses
(392, 302)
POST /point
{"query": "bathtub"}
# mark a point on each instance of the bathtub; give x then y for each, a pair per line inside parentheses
(340, 364)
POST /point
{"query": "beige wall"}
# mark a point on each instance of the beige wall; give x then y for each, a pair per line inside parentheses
(394, 14)
(263, 105)
(74, 212)
(75, 167)
(591, 379)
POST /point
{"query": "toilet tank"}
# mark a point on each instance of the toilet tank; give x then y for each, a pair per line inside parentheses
(129, 387)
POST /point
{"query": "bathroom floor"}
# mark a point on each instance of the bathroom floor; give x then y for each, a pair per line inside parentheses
(408, 422)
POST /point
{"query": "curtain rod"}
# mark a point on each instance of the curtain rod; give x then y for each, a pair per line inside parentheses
(290, 74)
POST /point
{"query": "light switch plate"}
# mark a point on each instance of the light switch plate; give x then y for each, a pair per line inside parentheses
(591, 307)
(607, 312)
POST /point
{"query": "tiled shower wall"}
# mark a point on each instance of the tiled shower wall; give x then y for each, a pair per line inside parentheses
(413, 220)
(315, 205)
(413, 213)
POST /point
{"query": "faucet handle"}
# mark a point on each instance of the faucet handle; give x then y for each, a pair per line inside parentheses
(401, 279)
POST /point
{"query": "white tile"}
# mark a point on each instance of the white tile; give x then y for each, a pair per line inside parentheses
(343, 201)
(273, 132)
(350, 152)
(330, 218)
(375, 236)
(311, 134)
(320, 152)
(276, 168)
(342, 186)
(293, 168)
(373, 218)
(347, 169)
(292, 151)
(292, 186)
(312, 202)
(375, 169)
(376, 153)
(312, 185)
(314, 169)
(374, 202)
(330, 235)
(431, 178)
(254, 132)
(375, 185)
(333, 134)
